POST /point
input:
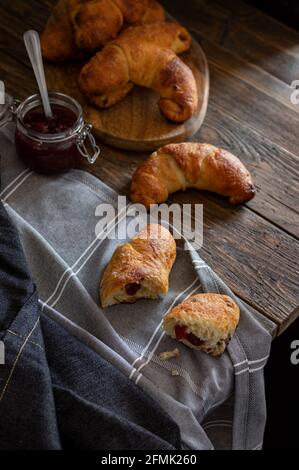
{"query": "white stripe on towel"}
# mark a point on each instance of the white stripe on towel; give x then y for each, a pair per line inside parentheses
(14, 181)
(74, 273)
(17, 186)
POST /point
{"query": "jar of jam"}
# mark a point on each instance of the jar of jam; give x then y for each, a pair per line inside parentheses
(53, 145)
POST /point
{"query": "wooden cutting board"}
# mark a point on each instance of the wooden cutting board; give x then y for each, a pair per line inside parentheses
(136, 123)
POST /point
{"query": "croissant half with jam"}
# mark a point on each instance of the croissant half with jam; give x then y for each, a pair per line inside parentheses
(139, 268)
(204, 321)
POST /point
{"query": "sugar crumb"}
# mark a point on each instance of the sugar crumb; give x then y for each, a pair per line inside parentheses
(165, 355)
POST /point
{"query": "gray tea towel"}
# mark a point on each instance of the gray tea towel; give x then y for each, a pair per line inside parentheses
(217, 402)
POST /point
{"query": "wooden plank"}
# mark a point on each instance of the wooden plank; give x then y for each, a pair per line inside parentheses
(22, 15)
(262, 25)
(236, 29)
(257, 110)
(247, 72)
(275, 171)
(19, 80)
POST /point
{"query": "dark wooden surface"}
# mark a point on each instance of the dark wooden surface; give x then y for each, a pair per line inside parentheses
(253, 59)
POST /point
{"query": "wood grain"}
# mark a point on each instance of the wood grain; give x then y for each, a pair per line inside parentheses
(245, 31)
(253, 248)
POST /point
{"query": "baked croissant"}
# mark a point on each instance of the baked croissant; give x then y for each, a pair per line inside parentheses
(145, 56)
(204, 321)
(190, 165)
(154, 13)
(139, 268)
(95, 22)
(58, 40)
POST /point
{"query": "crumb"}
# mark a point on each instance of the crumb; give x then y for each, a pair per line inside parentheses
(175, 372)
(164, 356)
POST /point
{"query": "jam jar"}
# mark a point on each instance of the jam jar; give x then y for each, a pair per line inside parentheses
(53, 145)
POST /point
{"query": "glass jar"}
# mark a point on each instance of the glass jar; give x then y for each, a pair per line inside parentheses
(55, 145)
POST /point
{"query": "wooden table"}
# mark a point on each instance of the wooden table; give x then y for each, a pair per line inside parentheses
(253, 59)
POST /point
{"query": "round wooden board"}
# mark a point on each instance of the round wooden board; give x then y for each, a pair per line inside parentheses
(136, 123)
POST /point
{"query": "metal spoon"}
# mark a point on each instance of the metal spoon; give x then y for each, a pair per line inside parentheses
(32, 43)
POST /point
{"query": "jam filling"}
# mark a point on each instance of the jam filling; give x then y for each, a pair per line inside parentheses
(62, 120)
(132, 288)
(181, 333)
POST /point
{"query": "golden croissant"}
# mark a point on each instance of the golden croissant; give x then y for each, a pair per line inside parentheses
(78, 27)
(203, 321)
(139, 268)
(57, 40)
(145, 56)
(191, 165)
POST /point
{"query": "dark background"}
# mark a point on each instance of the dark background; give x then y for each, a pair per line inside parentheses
(286, 11)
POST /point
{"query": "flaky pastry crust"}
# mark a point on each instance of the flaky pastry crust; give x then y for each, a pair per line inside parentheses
(139, 268)
(204, 321)
(177, 167)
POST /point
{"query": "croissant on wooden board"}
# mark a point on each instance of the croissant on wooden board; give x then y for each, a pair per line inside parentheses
(145, 56)
(191, 165)
(78, 27)
(57, 40)
(139, 268)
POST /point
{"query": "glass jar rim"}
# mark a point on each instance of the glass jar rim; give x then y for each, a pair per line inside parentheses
(34, 101)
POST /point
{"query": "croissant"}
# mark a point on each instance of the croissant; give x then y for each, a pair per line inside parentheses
(139, 268)
(58, 40)
(154, 13)
(190, 165)
(145, 56)
(204, 321)
(96, 22)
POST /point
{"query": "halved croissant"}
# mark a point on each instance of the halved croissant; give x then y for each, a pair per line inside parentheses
(136, 56)
(190, 165)
(203, 321)
(139, 268)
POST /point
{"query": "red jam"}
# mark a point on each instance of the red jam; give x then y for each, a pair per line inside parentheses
(132, 288)
(40, 154)
(63, 119)
(181, 333)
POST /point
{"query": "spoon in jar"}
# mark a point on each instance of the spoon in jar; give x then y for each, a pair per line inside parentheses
(32, 43)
